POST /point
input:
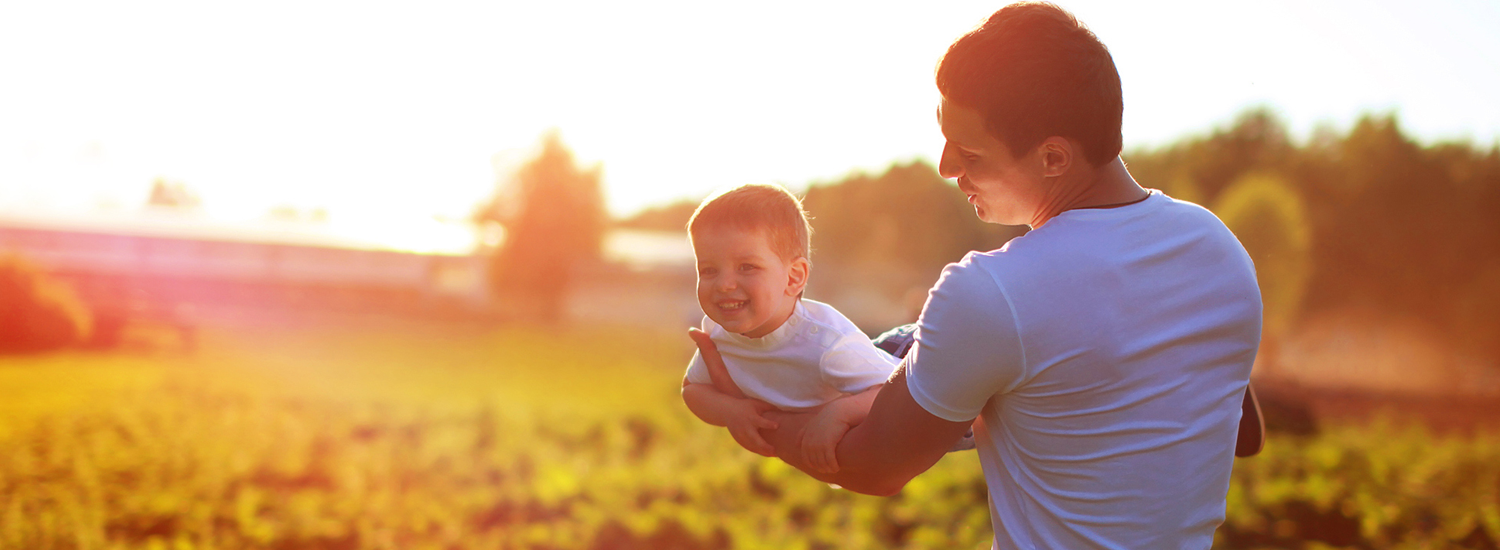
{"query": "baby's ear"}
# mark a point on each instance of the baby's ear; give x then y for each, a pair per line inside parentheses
(796, 277)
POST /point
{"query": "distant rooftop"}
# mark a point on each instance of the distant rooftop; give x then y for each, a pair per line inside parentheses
(424, 236)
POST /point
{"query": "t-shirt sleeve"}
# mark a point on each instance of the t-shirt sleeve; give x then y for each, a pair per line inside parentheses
(968, 347)
(697, 370)
(853, 364)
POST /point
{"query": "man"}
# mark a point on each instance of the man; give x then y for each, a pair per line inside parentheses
(1102, 358)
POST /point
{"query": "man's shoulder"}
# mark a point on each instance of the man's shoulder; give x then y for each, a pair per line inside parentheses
(1080, 238)
(972, 289)
(981, 272)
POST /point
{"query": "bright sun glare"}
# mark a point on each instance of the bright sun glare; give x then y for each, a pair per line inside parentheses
(391, 117)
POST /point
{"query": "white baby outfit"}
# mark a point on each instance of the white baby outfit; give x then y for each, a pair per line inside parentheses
(816, 356)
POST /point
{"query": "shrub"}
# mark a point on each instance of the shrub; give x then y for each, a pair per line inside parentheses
(37, 312)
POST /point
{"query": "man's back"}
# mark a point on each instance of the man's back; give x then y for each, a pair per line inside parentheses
(1117, 346)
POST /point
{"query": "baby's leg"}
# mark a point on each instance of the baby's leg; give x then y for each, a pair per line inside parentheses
(897, 341)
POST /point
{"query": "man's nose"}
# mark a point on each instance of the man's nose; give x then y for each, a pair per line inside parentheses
(947, 164)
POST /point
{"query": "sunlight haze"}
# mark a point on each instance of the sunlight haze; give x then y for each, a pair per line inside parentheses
(377, 113)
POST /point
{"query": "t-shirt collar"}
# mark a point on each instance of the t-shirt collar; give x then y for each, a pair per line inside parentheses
(775, 337)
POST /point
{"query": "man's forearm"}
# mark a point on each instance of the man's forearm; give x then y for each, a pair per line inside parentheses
(882, 453)
(854, 408)
(860, 468)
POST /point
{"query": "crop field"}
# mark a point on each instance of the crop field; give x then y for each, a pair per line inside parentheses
(403, 436)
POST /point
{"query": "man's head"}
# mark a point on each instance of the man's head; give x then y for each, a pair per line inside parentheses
(1034, 71)
(1029, 98)
(751, 244)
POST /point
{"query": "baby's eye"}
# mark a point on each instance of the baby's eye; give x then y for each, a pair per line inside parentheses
(748, 267)
(707, 272)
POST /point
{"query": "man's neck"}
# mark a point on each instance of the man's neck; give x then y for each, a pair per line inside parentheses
(1086, 186)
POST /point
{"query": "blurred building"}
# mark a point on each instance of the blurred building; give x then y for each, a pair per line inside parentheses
(647, 279)
(162, 267)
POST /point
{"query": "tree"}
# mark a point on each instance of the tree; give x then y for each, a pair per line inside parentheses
(554, 219)
(1198, 169)
(892, 233)
(1269, 218)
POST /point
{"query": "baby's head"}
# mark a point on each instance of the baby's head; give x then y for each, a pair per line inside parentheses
(752, 246)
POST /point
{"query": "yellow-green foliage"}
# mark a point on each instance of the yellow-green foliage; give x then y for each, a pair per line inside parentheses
(1182, 187)
(1378, 486)
(423, 437)
(1268, 217)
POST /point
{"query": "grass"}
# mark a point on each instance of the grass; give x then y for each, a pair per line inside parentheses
(427, 436)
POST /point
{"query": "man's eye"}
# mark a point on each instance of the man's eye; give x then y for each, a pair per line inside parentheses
(970, 156)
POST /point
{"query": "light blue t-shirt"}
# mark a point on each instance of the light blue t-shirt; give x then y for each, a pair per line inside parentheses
(1107, 353)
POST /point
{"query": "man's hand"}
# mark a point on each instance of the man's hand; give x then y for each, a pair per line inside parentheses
(820, 438)
(745, 422)
(744, 417)
(723, 404)
(715, 363)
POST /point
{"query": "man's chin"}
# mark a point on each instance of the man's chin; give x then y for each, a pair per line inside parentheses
(987, 217)
(983, 216)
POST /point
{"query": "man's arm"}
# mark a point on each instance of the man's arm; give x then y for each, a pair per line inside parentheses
(897, 440)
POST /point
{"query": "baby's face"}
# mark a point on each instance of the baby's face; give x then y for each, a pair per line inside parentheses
(743, 284)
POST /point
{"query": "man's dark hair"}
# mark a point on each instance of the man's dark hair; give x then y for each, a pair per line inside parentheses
(1034, 71)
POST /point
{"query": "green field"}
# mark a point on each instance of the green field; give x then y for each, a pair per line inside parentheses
(407, 436)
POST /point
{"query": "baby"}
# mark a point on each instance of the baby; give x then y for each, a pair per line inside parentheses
(781, 350)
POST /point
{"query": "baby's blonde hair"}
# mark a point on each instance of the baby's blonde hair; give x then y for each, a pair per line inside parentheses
(759, 206)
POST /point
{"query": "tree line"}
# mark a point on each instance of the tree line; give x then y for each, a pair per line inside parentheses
(1368, 218)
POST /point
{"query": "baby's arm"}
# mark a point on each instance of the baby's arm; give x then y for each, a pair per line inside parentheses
(821, 436)
(741, 415)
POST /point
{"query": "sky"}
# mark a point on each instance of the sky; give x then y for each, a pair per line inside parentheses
(386, 113)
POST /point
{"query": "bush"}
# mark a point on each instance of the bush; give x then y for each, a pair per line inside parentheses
(37, 312)
(1269, 218)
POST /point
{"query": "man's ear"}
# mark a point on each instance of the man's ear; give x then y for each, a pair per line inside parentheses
(1056, 155)
(796, 277)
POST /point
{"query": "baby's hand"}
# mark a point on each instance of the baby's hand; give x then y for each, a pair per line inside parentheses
(745, 421)
(820, 438)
